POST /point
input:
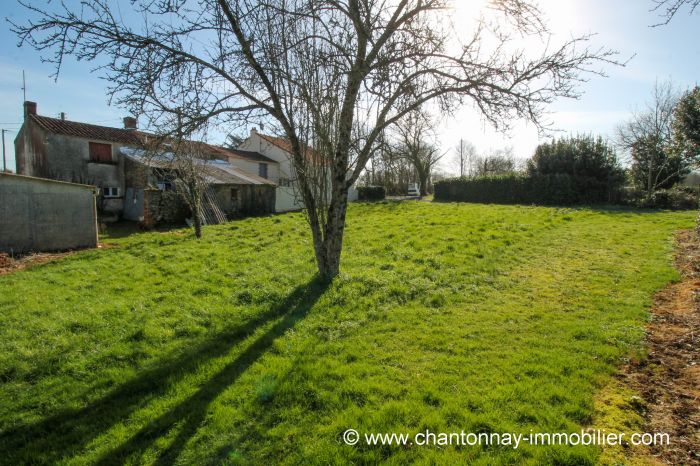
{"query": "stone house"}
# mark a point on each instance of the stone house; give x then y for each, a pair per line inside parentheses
(59, 149)
(64, 150)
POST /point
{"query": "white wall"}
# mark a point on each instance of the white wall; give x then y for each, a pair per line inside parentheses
(251, 167)
(255, 143)
(286, 199)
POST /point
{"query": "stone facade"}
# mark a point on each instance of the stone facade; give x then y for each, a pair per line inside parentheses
(64, 150)
(46, 154)
(164, 207)
(245, 200)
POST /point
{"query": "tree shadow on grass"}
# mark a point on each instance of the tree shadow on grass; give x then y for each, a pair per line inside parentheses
(60, 436)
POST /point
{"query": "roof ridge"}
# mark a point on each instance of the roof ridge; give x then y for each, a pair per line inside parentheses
(133, 137)
(60, 120)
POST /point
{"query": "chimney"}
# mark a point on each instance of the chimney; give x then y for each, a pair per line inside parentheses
(29, 108)
(129, 123)
(254, 131)
(63, 116)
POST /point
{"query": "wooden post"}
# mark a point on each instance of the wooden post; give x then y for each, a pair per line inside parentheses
(4, 160)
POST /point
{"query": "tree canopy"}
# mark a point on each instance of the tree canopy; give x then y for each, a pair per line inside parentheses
(579, 156)
(686, 124)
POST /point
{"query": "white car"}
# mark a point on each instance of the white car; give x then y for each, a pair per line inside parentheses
(413, 189)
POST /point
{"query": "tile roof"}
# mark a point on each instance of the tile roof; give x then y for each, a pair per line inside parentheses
(132, 137)
(286, 146)
(88, 131)
(249, 155)
(282, 143)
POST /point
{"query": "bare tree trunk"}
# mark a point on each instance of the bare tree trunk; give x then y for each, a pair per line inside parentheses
(197, 217)
(329, 244)
(423, 176)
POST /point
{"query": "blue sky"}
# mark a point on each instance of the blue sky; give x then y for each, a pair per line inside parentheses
(666, 52)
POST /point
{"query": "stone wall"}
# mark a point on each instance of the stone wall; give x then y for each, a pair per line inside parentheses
(245, 200)
(163, 207)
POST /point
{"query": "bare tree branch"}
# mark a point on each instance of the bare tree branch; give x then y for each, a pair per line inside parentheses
(667, 9)
(331, 75)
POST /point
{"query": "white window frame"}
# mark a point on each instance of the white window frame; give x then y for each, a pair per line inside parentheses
(111, 192)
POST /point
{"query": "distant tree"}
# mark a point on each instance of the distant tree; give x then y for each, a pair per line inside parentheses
(499, 162)
(648, 140)
(686, 125)
(654, 165)
(669, 8)
(388, 167)
(464, 157)
(413, 134)
(577, 156)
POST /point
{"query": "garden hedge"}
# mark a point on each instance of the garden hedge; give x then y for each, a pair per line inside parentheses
(371, 193)
(553, 189)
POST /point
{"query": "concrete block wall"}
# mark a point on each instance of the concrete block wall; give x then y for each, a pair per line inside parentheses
(45, 215)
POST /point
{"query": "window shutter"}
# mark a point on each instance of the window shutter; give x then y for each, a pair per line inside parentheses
(101, 153)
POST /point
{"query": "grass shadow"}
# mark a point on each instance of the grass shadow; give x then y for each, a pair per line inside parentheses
(127, 228)
(600, 208)
(61, 435)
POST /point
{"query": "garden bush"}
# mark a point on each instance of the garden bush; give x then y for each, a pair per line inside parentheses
(371, 193)
(676, 198)
(580, 157)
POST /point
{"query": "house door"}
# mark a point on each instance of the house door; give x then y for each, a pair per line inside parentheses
(235, 200)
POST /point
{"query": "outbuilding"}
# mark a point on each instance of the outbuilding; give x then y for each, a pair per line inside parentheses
(39, 214)
(151, 196)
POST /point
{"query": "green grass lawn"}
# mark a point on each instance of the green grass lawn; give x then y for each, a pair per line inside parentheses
(446, 317)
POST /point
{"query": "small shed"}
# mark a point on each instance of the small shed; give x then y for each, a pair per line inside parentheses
(38, 214)
(232, 192)
(239, 193)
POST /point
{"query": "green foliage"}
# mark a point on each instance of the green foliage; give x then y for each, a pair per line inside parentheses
(686, 124)
(582, 157)
(676, 198)
(371, 193)
(655, 165)
(549, 189)
(166, 350)
(576, 170)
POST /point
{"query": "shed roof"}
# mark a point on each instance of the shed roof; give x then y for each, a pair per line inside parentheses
(220, 173)
(249, 155)
(217, 171)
